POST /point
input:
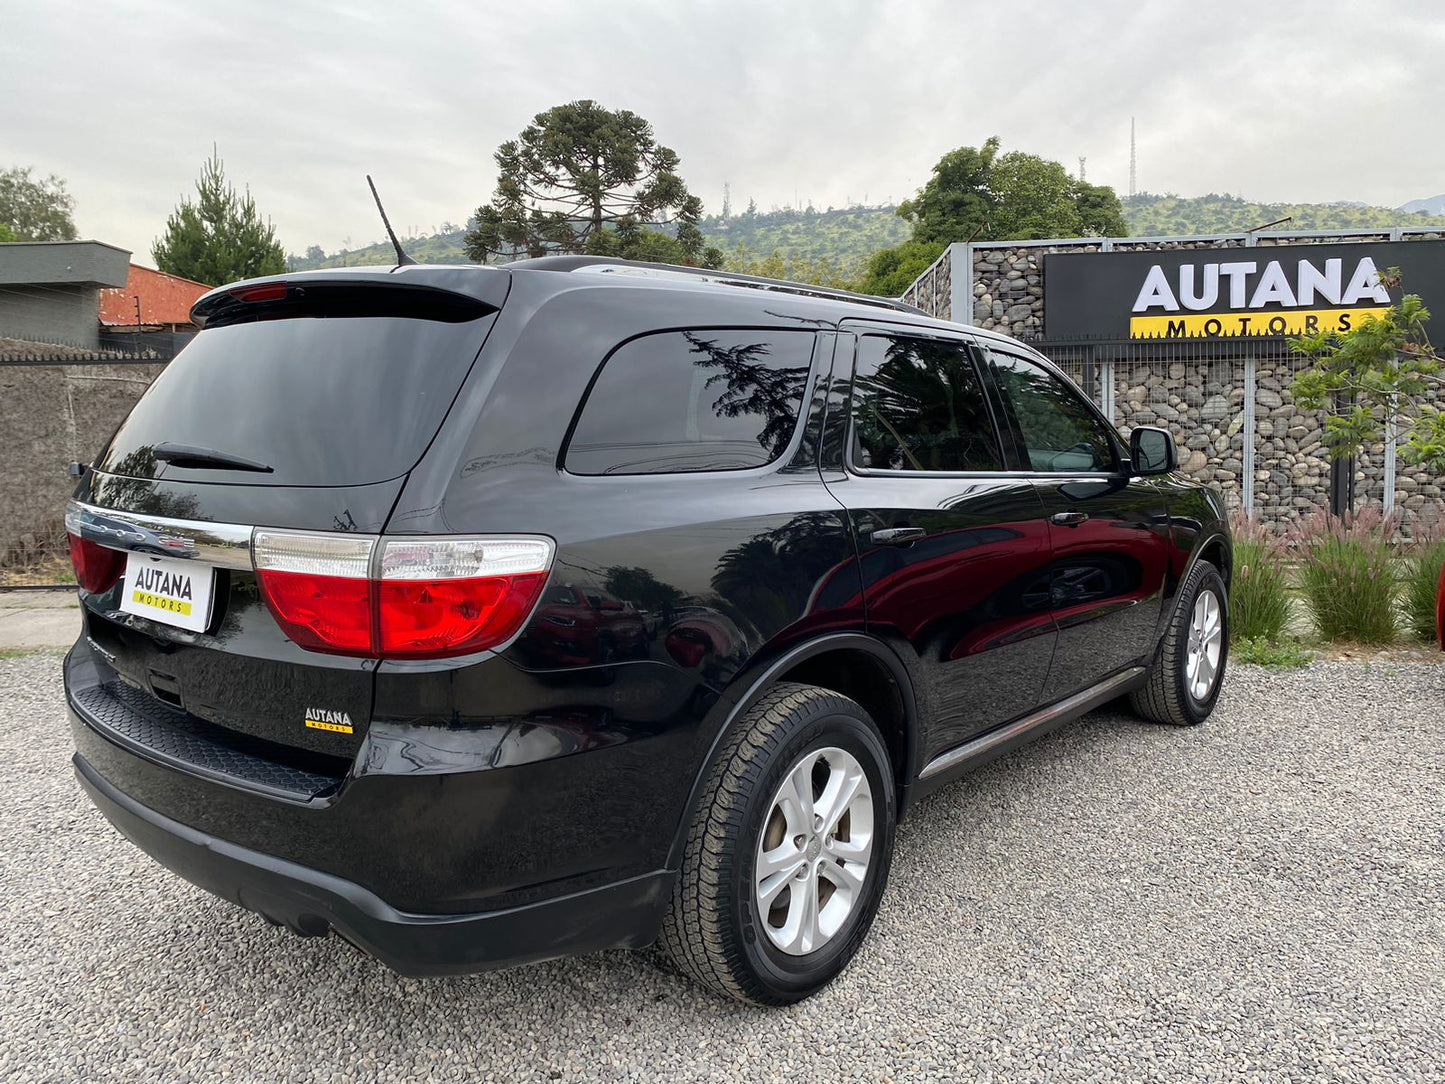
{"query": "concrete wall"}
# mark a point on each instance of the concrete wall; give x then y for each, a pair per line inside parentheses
(51, 314)
(50, 416)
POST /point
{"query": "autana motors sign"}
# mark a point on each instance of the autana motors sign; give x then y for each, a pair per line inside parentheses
(1229, 292)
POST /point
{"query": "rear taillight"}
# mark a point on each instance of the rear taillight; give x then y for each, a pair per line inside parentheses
(319, 588)
(97, 568)
(411, 598)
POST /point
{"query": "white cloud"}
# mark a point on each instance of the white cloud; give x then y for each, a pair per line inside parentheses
(821, 101)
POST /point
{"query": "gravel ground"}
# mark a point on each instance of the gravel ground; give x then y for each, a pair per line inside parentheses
(1260, 898)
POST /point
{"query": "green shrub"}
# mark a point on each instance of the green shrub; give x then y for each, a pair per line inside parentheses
(1284, 656)
(1422, 580)
(1348, 582)
(1259, 602)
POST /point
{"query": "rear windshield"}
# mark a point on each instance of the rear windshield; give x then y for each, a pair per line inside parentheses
(324, 402)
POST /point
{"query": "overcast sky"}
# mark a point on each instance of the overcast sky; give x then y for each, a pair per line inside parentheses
(835, 101)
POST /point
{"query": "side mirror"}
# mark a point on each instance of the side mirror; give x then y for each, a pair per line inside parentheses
(1152, 451)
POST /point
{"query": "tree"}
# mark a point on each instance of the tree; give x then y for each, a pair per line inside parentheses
(6, 233)
(35, 210)
(890, 271)
(581, 178)
(1032, 198)
(976, 193)
(956, 201)
(1375, 379)
(1101, 213)
(220, 237)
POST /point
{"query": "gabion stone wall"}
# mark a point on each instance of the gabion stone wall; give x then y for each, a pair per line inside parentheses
(932, 291)
(1195, 388)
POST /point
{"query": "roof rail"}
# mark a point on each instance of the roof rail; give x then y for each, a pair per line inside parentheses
(726, 278)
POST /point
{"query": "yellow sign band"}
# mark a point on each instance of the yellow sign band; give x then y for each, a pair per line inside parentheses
(317, 724)
(1228, 325)
(160, 602)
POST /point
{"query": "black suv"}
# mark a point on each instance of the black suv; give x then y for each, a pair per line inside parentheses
(484, 615)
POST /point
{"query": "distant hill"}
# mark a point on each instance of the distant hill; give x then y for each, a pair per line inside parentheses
(1435, 205)
(443, 247)
(1157, 216)
(845, 236)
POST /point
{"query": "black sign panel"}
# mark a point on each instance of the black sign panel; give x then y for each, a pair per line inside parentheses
(1229, 292)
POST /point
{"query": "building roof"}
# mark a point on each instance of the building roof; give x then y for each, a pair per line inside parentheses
(67, 263)
(164, 299)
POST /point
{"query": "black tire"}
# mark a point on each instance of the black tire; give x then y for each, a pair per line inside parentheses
(1165, 696)
(713, 930)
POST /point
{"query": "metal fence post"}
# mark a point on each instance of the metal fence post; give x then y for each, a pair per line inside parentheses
(1391, 437)
(1106, 388)
(960, 282)
(1246, 483)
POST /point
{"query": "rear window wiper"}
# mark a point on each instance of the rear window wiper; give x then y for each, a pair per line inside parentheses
(184, 455)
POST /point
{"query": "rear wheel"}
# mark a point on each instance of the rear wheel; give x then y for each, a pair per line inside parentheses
(1184, 681)
(789, 852)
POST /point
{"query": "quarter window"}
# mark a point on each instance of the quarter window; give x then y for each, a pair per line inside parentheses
(702, 400)
(918, 405)
(1060, 433)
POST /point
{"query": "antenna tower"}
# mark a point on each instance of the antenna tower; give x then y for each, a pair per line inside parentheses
(727, 201)
(1133, 162)
(1082, 160)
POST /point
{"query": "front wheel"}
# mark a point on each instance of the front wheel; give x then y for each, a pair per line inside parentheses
(1184, 681)
(788, 855)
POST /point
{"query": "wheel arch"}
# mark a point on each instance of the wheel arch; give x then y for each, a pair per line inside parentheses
(856, 665)
(1217, 549)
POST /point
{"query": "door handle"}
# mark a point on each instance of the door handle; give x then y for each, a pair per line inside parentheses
(896, 536)
(1068, 519)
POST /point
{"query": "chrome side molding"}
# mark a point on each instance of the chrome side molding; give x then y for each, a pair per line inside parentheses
(1070, 706)
(227, 545)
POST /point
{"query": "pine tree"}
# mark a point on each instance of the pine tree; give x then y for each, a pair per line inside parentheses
(219, 238)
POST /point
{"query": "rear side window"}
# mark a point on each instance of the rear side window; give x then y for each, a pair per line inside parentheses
(919, 405)
(701, 400)
(317, 401)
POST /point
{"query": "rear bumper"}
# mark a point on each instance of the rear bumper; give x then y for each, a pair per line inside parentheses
(626, 914)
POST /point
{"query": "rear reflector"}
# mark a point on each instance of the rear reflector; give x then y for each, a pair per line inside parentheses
(417, 598)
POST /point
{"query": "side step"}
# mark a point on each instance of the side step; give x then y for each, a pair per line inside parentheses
(1031, 726)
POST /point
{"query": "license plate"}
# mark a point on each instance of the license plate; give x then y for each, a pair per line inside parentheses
(172, 592)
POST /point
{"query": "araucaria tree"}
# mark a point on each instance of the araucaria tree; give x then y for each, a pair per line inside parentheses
(584, 179)
(221, 236)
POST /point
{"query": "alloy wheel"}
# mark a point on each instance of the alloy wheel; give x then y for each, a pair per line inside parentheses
(1206, 643)
(814, 850)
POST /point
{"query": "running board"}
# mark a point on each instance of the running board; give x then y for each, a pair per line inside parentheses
(1059, 712)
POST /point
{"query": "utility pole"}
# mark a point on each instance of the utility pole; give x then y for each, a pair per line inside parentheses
(1133, 162)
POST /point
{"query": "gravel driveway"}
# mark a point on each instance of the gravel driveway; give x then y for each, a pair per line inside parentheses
(1261, 898)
